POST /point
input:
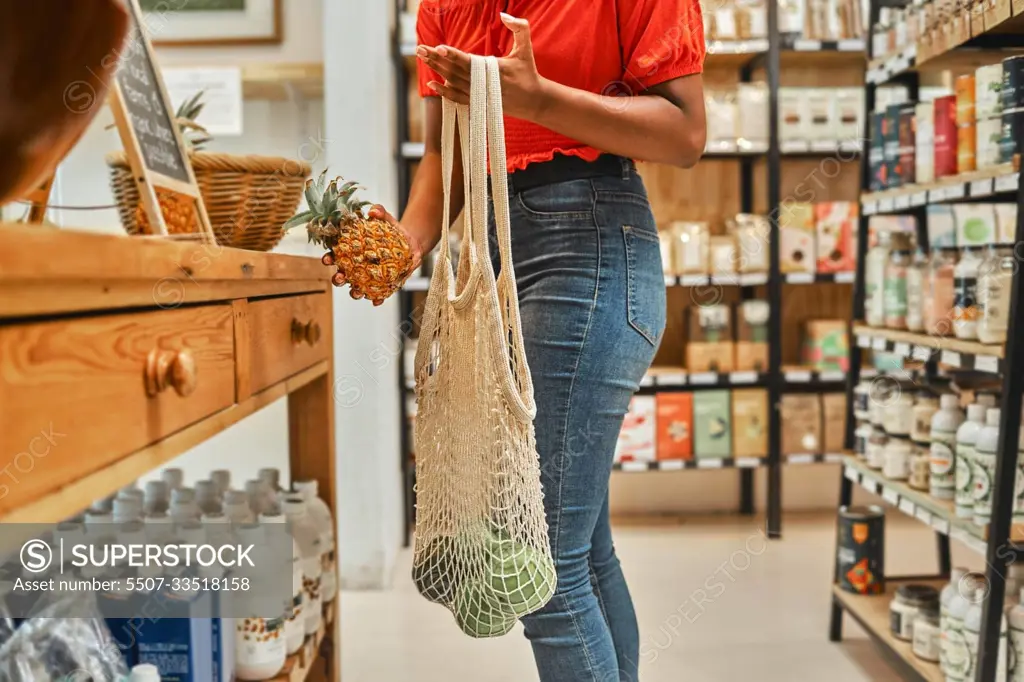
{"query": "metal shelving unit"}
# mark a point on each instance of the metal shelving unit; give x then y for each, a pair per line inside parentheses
(998, 542)
(769, 55)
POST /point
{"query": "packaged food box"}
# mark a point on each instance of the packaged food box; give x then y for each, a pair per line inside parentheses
(801, 424)
(723, 255)
(1006, 223)
(710, 339)
(835, 223)
(944, 124)
(752, 336)
(834, 421)
(750, 423)
(891, 148)
(722, 116)
(637, 438)
(751, 233)
(793, 115)
(690, 247)
(712, 425)
(826, 345)
(975, 224)
(849, 114)
(819, 107)
(752, 124)
(876, 152)
(675, 425)
(796, 230)
(907, 163)
(941, 226)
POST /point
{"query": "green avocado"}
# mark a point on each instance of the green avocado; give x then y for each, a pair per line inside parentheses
(521, 579)
(431, 571)
(477, 614)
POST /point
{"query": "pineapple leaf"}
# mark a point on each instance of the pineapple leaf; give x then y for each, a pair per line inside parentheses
(330, 197)
(312, 198)
(300, 219)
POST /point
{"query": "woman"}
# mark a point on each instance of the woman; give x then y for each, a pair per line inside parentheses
(587, 85)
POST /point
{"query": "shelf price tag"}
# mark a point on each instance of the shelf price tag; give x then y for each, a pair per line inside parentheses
(693, 280)
(672, 465)
(955, 192)
(937, 194)
(907, 506)
(845, 277)
(901, 349)
(798, 377)
(703, 378)
(851, 474)
(635, 467)
(891, 496)
(670, 280)
(742, 377)
(748, 462)
(672, 379)
(901, 202)
(922, 353)
(800, 459)
(878, 343)
(753, 279)
(919, 198)
(834, 458)
(710, 463)
(832, 375)
(986, 363)
(940, 524)
(647, 380)
(870, 485)
(886, 205)
(923, 515)
(869, 207)
(863, 342)
(981, 188)
(800, 278)
(951, 358)
(850, 45)
(1007, 183)
(805, 45)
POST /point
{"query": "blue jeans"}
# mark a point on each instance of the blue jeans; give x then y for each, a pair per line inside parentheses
(592, 298)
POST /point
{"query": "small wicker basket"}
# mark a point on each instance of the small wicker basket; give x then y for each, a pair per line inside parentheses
(248, 198)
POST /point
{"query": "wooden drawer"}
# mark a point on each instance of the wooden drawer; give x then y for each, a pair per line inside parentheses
(287, 335)
(74, 393)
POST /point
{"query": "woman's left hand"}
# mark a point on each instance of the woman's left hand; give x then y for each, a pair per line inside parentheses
(522, 87)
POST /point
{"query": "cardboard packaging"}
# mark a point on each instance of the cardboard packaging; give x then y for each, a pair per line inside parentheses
(752, 233)
(722, 116)
(712, 425)
(752, 336)
(849, 113)
(891, 146)
(944, 123)
(723, 256)
(835, 223)
(750, 423)
(1006, 223)
(752, 126)
(876, 152)
(820, 113)
(710, 335)
(796, 229)
(637, 438)
(906, 150)
(924, 142)
(833, 421)
(941, 226)
(975, 224)
(793, 115)
(826, 346)
(675, 425)
(801, 424)
(690, 247)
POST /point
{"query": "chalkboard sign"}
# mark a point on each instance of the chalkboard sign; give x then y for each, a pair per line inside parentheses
(147, 112)
(152, 141)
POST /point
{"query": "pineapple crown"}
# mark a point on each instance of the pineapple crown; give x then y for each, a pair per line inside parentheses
(328, 205)
(195, 135)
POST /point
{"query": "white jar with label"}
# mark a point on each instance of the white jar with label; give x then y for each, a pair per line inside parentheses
(946, 597)
(1015, 631)
(875, 457)
(321, 514)
(920, 468)
(945, 422)
(305, 532)
(898, 416)
(260, 647)
(927, 637)
(898, 452)
(995, 280)
(236, 507)
(985, 467)
(972, 635)
(861, 436)
(955, 651)
(966, 438)
(262, 500)
(910, 602)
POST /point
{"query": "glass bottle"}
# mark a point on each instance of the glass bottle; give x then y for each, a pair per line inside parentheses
(965, 287)
(995, 278)
(874, 280)
(894, 294)
(940, 293)
(917, 272)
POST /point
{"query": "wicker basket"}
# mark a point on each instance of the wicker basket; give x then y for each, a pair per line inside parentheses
(248, 198)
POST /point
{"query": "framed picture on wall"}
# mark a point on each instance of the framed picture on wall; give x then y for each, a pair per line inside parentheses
(211, 23)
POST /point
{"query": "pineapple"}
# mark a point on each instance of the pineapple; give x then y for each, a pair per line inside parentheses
(373, 256)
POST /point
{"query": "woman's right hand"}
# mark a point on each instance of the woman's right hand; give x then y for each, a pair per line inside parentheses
(416, 245)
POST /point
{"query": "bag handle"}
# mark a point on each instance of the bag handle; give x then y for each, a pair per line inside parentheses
(453, 114)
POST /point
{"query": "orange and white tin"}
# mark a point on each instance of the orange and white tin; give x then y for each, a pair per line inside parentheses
(966, 152)
(964, 89)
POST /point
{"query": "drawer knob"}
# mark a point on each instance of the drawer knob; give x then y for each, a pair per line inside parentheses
(309, 332)
(171, 368)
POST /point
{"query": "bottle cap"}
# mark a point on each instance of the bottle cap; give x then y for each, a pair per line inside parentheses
(173, 477)
(157, 490)
(992, 416)
(949, 401)
(976, 413)
(126, 509)
(145, 672)
(309, 489)
(130, 494)
(221, 478)
(271, 476)
(206, 490)
(183, 496)
(986, 399)
(271, 517)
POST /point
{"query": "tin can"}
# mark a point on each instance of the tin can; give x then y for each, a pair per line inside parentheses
(966, 154)
(907, 166)
(964, 89)
(876, 152)
(944, 122)
(1012, 92)
(1013, 128)
(989, 134)
(860, 550)
(891, 149)
(988, 85)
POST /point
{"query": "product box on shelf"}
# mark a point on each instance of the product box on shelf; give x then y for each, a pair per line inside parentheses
(690, 247)
(941, 226)
(835, 224)
(637, 438)
(793, 115)
(1006, 223)
(876, 152)
(891, 148)
(675, 425)
(905, 133)
(801, 424)
(833, 421)
(820, 112)
(988, 85)
(944, 123)
(751, 232)
(989, 134)
(722, 116)
(750, 422)
(752, 125)
(849, 114)
(712, 424)
(975, 224)
(924, 142)
(710, 339)
(826, 346)
(796, 231)
(722, 253)
(752, 336)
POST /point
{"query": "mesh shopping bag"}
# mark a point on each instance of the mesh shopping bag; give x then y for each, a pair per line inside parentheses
(482, 545)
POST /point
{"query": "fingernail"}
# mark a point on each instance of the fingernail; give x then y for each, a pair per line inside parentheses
(422, 51)
(505, 15)
(434, 86)
(443, 51)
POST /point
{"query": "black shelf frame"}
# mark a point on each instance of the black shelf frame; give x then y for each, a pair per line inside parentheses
(1000, 552)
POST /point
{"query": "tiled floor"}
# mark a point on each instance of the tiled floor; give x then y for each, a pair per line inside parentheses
(769, 623)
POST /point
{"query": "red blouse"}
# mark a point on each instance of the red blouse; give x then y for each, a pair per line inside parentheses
(612, 47)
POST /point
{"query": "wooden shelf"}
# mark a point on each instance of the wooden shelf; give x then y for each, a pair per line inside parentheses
(298, 666)
(998, 182)
(283, 82)
(872, 612)
(952, 352)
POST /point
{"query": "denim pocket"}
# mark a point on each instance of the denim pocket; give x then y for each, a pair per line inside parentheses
(644, 279)
(570, 200)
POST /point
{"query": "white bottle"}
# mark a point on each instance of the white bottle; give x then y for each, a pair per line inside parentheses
(295, 607)
(183, 505)
(324, 520)
(954, 641)
(173, 477)
(145, 672)
(272, 477)
(965, 294)
(307, 535)
(157, 497)
(946, 597)
(260, 647)
(1015, 625)
(966, 437)
(261, 498)
(126, 509)
(972, 635)
(874, 279)
(222, 479)
(207, 496)
(985, 470)
(236, 507)
(945, 422)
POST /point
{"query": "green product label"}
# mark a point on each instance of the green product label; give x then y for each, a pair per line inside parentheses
(964, 477)
(895, 296)
(958, 655)
(983, 472)
(943, 461)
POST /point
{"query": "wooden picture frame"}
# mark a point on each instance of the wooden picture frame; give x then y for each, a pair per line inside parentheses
(158, 155)
(195, 28)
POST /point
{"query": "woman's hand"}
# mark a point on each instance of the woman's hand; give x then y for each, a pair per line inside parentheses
(523, 89)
